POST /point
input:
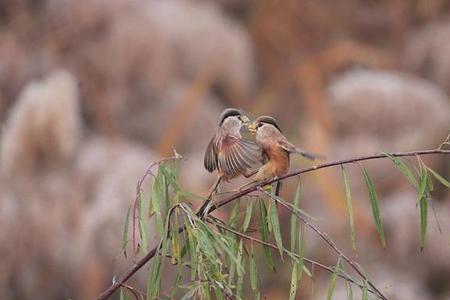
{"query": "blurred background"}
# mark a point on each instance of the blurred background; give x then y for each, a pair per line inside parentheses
(91, 92)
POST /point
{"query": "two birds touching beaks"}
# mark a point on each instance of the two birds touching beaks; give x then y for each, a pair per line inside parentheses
(240, 146)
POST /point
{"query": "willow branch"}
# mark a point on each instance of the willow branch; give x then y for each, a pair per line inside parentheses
(140, 263)
(311, 261)
(327, 240)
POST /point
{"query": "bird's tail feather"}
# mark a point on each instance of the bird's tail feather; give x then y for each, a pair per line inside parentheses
(310, 155)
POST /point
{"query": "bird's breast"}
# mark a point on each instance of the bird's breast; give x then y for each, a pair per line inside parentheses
(278, 159)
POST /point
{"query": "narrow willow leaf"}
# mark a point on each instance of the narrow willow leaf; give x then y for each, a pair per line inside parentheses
(205, 292)
(248, 215)
(240, 275)
(191, 249)
(333, 279)
(192, 290)
(158, 198)
(375, 208)
(154, 279)
(348, 197)
(404, 169)
(122, 296)
(276, 228)
(349, 291)
(365, 293)
(125, 232)
(430, 184)
(253, 270)
(301, 246)
(423, 205)
(294, 226)
(234, 215)
(176, 251)
(269, 219)
(144, 235)
(265, 233)
(218, 293)
(441, 179)
(294, 281)
(170, 172)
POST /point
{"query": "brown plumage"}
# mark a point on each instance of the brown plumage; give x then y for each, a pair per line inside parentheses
(276, 149)
(230, 152)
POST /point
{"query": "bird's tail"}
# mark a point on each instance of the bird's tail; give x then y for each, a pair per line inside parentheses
(310, 155)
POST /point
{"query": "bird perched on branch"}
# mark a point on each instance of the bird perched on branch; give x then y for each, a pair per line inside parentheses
(276, 149)
(231, 151)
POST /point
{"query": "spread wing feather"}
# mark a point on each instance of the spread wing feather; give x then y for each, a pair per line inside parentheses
(237, 155)
(210, 160)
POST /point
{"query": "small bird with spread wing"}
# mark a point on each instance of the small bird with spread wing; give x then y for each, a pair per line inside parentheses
(230, 151)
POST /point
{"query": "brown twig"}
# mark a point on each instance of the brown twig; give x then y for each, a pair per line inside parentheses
(311, 261)
(136, 293)
(327, 240)
(139, 264)
(139, 192)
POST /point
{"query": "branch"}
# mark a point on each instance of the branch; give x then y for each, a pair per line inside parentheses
(311, 261)
(325, 237)
(139, 192)
(139, 264)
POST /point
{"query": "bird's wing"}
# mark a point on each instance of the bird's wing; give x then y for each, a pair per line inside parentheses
(237, 155)
(210, 160)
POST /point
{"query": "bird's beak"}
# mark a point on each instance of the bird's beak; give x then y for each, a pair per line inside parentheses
(252, 127)
(245, 120)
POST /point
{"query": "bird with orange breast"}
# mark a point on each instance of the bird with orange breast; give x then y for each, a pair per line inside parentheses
(231, 151)
(276, 149)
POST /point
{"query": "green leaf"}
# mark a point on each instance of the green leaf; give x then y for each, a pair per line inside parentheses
(240, 277)
(276, 227)
(333, 279)
(404, 169)
(423, 205)
(365, 293)
(375, 208)
(248, 215)
(158, 199)
(192, 242)
(349, 291)
(348, 197)
(154, 279)
(144, 235)
(301, 246)
(125, 232)
(176, 248)
(439, 177)
(234, 214)
(294, 281)
(294, 226)
(253, 270)
(265, 233)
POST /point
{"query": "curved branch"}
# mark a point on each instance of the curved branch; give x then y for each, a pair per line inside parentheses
(140, 263)
(311, 261)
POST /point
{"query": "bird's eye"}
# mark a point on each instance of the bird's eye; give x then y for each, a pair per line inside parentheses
(260, 124)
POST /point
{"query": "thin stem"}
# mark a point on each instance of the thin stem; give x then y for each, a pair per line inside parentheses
(311, 261)
(327, 240)
(139, 193)
(140, 263)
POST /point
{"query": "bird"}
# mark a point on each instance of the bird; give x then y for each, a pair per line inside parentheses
(276, 149)
(232, 151)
